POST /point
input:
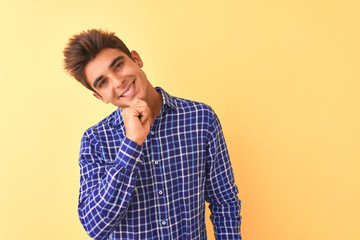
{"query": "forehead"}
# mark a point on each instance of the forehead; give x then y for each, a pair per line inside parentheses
(100, 64)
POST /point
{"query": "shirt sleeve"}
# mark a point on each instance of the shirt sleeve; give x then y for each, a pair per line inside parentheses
(220, 190)
(106, 187)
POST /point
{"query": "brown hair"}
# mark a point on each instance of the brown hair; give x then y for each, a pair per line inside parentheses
(83, 47)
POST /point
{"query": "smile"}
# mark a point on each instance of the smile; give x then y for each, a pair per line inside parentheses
(129, 91)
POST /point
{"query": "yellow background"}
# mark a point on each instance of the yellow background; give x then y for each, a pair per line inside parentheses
(282, 75)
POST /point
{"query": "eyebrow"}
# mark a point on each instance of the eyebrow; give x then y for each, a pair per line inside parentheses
(110, 66)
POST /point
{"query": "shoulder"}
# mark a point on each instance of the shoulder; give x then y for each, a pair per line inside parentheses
(187, 105)
(95, 131)
(194, 108)
(190, 110)
(182, 105)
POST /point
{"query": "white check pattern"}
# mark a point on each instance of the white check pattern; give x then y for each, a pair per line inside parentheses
(158, 190)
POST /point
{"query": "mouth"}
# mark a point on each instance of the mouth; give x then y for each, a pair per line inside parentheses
(129, 90)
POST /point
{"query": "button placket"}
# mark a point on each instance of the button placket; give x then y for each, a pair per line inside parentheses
(159, 178)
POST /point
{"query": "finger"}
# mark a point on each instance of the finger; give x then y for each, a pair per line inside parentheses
(135, 110)
(138, 101)
(145, 115)
(140, 109)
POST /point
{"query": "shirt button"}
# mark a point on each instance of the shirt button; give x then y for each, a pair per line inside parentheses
(160, 192)
(138, 159)
(163, 223)
(156, 162)
(152, 132)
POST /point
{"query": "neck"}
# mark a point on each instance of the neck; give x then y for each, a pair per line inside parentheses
(155, 102)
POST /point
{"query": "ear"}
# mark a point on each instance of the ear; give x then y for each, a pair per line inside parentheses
(100, 98)
(137, 58)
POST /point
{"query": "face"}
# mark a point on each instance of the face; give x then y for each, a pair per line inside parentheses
(117, 78)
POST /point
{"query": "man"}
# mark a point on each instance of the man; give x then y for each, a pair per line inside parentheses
(147, 168)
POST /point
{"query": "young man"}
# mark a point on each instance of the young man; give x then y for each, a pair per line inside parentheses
(147, 168)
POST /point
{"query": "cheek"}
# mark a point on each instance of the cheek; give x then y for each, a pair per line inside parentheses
(107, 93)
(111, 95)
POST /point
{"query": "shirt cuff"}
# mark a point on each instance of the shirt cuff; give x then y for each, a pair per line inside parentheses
(129, 155)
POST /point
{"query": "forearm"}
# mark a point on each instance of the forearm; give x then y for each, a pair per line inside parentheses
(226, 218)
(102, 205)
(221, 191)
(225, 206)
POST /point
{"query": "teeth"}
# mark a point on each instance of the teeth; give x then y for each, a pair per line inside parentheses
(128, 91)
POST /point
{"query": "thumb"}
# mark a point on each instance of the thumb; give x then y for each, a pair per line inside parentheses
(144, 117)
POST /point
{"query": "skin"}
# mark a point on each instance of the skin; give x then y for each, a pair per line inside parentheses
(119, 80)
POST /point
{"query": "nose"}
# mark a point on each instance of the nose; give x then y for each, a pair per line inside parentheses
(117, 82)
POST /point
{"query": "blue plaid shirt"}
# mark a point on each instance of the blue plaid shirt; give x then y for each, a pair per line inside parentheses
(158, 190)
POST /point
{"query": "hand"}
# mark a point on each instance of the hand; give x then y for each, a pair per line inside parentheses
(137, 121)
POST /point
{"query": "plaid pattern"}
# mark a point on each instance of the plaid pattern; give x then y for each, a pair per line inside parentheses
(158, 190)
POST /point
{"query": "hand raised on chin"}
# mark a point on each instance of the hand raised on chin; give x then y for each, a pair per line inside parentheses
(137, 120)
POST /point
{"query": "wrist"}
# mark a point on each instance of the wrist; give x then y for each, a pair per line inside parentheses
(137, 140)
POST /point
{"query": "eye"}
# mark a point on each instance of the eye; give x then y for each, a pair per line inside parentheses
(102, 82)
(117, 66)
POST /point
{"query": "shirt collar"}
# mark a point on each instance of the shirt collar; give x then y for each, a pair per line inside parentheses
(168, 102)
